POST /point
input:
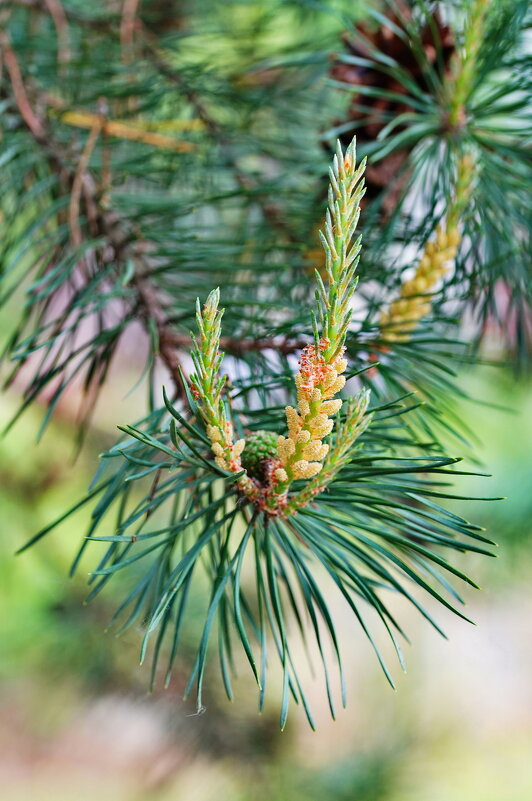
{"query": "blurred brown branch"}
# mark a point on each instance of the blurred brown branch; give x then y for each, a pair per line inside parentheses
(19, 90)
(60, 21)
(125, 130)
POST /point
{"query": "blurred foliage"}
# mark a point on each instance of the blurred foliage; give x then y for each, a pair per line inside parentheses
(502, 419)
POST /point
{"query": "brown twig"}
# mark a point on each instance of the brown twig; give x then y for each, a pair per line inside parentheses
(237, 347)
(150, 308)
(19, 90)
(124, 130)
(77, 184)
(60, 21)
(127, 27)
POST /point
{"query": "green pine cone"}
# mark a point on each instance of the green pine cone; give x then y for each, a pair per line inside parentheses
(259, 446)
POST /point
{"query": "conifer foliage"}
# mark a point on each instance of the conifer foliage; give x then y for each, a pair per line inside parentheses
(159, 164)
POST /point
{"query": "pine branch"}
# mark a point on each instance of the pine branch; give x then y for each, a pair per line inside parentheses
(426, 91)
(108, 223)
(209, 491)
(322, 364)
(119, 235)
(414, 302)
(124, 240)
(364, 517)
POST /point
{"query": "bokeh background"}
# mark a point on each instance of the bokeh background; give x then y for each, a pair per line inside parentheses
(77, 722)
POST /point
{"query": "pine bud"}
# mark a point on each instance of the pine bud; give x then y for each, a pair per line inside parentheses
(258, 448)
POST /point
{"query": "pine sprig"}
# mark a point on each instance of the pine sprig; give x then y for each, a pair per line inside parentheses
(320, 378)
(369, 519)
(345, 193)
(414, 302)
(207, 387)
(133, 182)
(477, 104)
(340, 450)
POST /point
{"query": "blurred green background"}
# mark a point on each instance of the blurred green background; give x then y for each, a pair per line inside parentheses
(76, 721)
